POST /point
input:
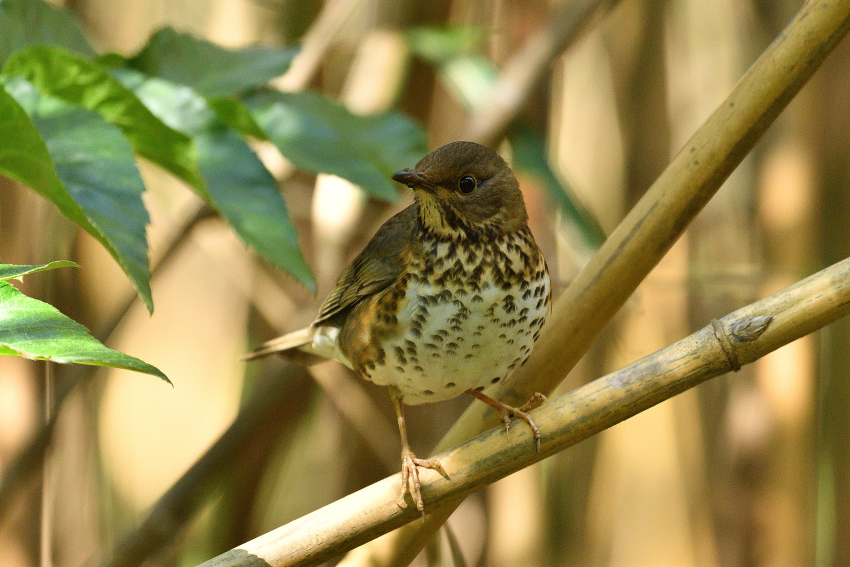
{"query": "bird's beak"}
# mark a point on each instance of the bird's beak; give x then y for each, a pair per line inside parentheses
(412, 178)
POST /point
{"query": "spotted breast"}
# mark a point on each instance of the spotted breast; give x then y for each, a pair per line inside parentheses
(463, 315)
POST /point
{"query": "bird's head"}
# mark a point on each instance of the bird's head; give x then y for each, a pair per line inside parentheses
(464, 189)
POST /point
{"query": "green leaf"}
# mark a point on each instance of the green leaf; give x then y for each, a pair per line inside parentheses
(529, 155)
(111, 60)
(34, 22)
(246, 194)
(38, 331)
(12, 271)
(24, 158)
(319, 135)
(438, 45)
(208, 68)
(470, 76)
(96, 166)
(229, 110)
(233, 113)
(239, 185)
(66, 76)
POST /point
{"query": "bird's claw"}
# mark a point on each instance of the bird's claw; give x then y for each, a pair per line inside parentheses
(410, 479)
(507, 413)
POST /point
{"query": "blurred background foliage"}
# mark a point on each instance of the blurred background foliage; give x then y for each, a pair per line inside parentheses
(749, 469)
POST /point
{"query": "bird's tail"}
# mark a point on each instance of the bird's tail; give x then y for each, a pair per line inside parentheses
(307, 346)
(293, 340)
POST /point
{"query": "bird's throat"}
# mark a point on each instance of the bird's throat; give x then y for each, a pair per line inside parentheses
(433, 216)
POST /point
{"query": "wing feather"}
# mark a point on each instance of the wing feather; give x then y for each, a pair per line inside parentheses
(374, 269)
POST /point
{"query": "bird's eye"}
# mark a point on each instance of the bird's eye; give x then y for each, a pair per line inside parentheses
(467, 184)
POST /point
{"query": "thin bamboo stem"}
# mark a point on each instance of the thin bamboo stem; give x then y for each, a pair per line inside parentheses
(527, 69)
(316, 43)
(735, 340)
(170, 513)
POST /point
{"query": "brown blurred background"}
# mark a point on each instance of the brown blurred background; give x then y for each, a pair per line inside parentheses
(748, 469)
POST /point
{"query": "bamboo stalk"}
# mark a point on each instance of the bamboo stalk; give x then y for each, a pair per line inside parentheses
(685, 186)
(646, 234)
(735, 340)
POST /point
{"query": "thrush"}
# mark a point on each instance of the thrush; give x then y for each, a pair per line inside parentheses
(448, 297)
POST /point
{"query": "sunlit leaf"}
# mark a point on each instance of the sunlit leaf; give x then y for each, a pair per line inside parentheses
(61, 74)
(239, 185)
(319, 135)
(12, 271)
(24, 158)
(208, 68)
(38, 331)
(233, 113)
(96, 166)
(34, 22)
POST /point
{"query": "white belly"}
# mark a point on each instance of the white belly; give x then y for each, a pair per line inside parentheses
(455, 341)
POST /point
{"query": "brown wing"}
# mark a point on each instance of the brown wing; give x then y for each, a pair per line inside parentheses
(375, 268)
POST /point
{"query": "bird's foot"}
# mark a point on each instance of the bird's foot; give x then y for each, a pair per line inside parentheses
(506, 412)
(410, 478)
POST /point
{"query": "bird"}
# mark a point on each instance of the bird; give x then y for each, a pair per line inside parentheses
(448, 297)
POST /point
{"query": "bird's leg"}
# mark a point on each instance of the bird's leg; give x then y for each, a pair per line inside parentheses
(409, 462)
(507, 412)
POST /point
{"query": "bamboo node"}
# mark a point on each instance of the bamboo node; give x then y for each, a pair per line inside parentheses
(725, 344)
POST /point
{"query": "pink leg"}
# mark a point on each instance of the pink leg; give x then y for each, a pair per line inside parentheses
(409, 462)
